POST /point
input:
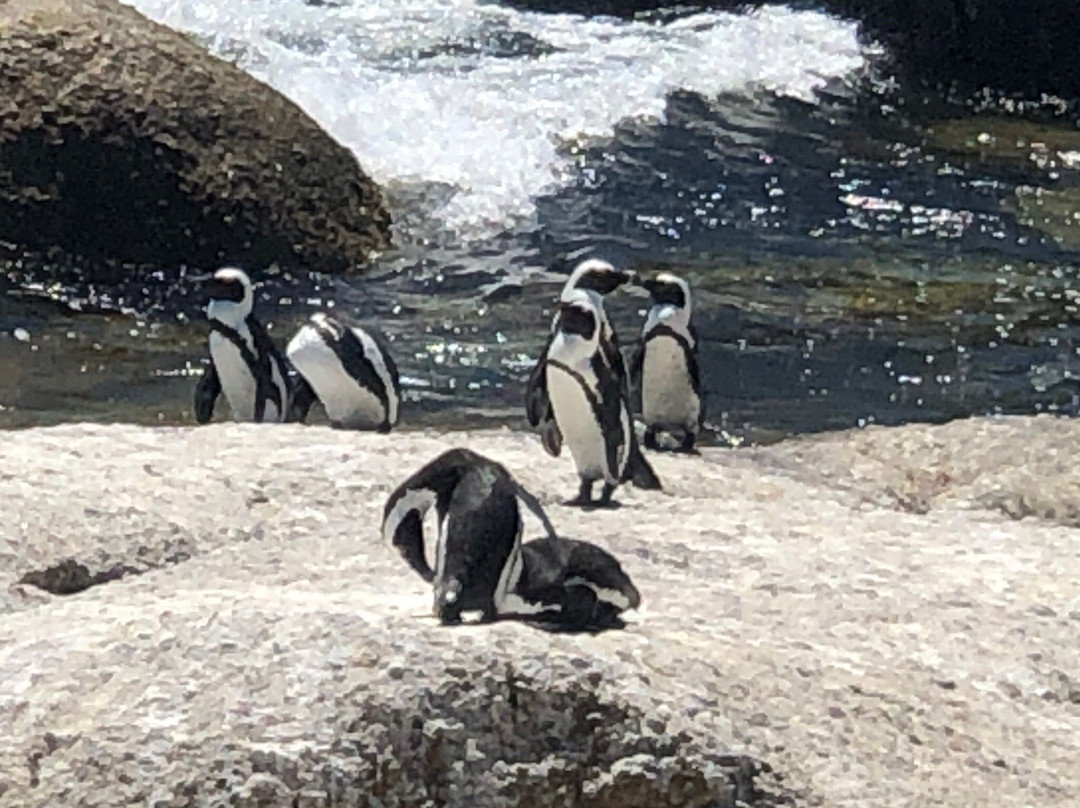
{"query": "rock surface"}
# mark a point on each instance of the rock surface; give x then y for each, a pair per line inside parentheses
(885, 618)
(123, 141)
(1026, 48)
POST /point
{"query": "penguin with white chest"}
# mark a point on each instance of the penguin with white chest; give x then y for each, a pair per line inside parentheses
(244, 362)
(478, 548)
(350, 370)
(597, 278)
(481, 564)
(590, 404)
(666, 365)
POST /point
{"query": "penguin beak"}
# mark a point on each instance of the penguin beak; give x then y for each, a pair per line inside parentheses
(649, 285)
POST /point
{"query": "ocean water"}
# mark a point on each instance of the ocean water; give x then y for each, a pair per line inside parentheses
(480, 102)
(857, 254)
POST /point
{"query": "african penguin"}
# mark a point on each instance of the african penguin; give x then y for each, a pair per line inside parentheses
(244, 363)
(666, 365)
(574, 584)
(350, 370)
(590, 404)
(596, 278)
(478, 548)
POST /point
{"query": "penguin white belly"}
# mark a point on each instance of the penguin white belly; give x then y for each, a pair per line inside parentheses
(667, 395)
(347, 403)
(236, 380)
(581, 431)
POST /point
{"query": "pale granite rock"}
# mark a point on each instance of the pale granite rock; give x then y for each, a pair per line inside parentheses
(859, 612)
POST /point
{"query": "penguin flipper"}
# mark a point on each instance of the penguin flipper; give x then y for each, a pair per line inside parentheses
(533, 504)
(302, 398)
(206, 393)
(409, 541)
(551, 437)
(537, 405)
(637, 361)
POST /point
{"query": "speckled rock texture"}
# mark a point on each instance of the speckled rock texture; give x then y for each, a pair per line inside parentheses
(124, 141)
(881, 618)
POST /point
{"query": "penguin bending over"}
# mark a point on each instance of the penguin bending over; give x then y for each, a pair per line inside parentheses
(590, 404)
(350, 370)
(244, 362)
(597, 278)
(478, 560)
(666, 365)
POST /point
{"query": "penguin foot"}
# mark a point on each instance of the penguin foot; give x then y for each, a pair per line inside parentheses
(584, 497)
(687, 445)
(650, 439)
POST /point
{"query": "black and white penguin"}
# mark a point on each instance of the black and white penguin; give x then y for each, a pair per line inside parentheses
(244, 362)
(666, 365)
(590, 403)
(350, 370)
(573, 584)
(478, 548)
(597, 278)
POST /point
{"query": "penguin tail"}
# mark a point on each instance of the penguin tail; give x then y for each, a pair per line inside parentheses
(639, 471)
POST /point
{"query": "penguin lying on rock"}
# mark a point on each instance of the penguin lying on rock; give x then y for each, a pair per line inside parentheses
(480, 563)
(244, 362)
(575, 584)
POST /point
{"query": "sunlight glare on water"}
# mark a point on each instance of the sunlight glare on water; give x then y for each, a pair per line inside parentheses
(477, 98)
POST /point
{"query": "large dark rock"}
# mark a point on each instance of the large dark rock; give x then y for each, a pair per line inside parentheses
(1027, 48)
(123, 141)
(1016, 47)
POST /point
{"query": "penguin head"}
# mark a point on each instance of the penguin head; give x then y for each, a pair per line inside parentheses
(596, 275)
(668, 290)
(448, 601)
(579, 319)
(230, 295)
(670, 301)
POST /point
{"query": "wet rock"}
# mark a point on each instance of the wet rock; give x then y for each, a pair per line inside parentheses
(828, 647)
(123, 142)
(1014, 47)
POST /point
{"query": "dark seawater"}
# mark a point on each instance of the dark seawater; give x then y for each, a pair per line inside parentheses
(856, 258)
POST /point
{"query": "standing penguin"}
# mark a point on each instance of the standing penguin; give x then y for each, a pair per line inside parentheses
(478, 549)
(666, 365)
(243, 360)
(596, 278)
(350, 370)
(590, 404)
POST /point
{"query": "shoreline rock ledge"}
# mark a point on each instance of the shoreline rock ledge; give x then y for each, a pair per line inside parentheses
(123, 142)
(876, 618)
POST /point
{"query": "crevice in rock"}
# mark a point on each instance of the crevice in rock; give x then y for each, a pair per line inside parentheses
(69, 577)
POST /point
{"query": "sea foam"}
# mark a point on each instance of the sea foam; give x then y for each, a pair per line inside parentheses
(479, 103)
